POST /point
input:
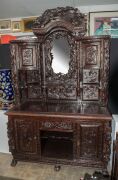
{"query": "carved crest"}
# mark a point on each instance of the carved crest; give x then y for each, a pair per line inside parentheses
(66, 17)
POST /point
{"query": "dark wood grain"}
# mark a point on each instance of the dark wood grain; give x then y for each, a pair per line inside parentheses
(60, 118)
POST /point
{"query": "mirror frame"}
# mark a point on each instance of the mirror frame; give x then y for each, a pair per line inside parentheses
(48, 56)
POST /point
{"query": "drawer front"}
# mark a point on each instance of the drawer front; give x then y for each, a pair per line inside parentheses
(61, 125)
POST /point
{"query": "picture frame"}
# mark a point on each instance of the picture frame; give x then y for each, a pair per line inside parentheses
(103, 23)
(27, 24)
(5, 26)
(16, 26)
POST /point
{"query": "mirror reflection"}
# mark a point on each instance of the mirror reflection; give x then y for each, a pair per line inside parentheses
(61, 56)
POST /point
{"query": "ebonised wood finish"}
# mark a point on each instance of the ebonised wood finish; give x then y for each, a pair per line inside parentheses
(60, 118)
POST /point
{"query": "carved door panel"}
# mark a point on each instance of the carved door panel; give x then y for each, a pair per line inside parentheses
(26, 136)
(90, 70)
(29, 55)
(93, 69)
(90, 141)
(29, 84)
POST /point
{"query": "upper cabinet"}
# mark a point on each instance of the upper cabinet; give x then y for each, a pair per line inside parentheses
(94, 68)
(61, 63)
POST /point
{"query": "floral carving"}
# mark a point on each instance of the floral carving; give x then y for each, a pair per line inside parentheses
(90, 92)
(68, 89)
(56, 125)
(67, 17)
(90, 75)
(91, 55)
(27, 56)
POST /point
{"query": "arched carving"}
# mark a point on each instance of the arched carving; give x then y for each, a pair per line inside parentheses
(63, 17)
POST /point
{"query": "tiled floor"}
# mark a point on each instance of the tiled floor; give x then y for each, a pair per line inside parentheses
(37, 171)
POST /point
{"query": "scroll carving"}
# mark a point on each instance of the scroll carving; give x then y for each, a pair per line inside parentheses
(90, 92)
(67, 17)
(56, 125)
(91, 55)
(27, 56)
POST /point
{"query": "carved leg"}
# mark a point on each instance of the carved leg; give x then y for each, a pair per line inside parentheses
(13, 162)
(57, 168)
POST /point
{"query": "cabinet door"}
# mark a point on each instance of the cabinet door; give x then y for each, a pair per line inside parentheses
(26, 136)
(90, 141)
(93, 69)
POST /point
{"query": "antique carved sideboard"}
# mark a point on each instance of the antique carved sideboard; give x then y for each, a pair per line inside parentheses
(60, 79)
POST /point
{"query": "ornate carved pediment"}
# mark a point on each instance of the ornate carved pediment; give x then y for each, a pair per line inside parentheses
(64, 17)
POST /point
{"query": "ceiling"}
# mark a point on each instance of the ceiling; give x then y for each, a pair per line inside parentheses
(22, 8)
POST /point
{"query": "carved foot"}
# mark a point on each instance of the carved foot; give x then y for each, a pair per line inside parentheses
(105, 173)
(13, 162)
(57, 168)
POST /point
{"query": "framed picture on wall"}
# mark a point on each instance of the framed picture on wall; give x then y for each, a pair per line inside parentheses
(16, 26)
(27, 24)
(5, 25)
(104, 23)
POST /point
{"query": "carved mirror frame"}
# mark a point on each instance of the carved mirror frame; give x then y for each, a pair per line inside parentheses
(61, 22)
(48, 45)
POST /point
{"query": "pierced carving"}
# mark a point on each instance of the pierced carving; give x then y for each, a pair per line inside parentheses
(66, 17)
(62, 92)
(56, 125)
(68, 89)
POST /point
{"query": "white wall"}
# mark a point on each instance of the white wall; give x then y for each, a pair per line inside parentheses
(83, 9)
(3, 133)
(94, 8)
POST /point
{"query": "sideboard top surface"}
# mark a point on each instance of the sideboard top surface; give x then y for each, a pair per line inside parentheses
(65, 109)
